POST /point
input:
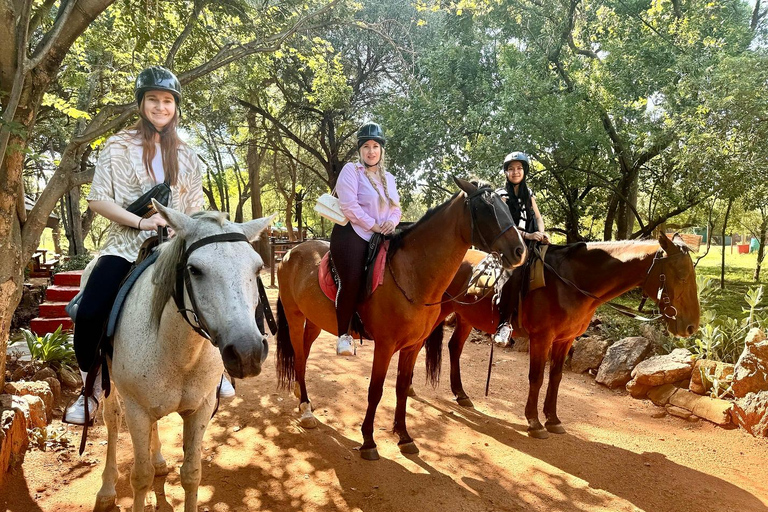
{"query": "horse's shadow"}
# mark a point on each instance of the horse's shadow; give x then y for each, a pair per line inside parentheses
(643, 479)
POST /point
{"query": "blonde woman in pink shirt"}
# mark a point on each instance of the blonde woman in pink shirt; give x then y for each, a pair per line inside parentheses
(370, 201)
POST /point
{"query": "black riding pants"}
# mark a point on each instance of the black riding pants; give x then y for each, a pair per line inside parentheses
(348, 251)
(96, 303)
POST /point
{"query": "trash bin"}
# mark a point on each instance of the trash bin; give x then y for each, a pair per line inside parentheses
(743, 248)
(754, 245)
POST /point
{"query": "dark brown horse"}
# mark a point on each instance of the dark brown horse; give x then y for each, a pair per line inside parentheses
(422, 262)
(555, 315)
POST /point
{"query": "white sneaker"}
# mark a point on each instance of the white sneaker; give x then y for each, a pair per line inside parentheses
(225, 388)
(345, 345)
(75, 413)
(501, 338)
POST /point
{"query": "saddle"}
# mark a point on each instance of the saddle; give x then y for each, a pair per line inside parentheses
(375, 263)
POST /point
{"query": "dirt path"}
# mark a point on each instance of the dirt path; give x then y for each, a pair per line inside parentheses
(615, 457)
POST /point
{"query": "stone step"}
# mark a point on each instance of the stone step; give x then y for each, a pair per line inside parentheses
(57, 293)
(53, 310)
(70, 278)
(43, 326)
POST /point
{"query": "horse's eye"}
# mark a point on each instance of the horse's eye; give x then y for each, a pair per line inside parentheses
(193, 270)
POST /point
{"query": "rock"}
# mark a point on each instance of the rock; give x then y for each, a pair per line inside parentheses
(711, 409)
(13, 433)
(55, 385)
(70, 378)
(40, 389)
(588, 353)
(620, 359)
(44, 374)
(23, 372)
(678, 411)
(37, 415)
(751, 372)
(751, 413)
(661, 395)
(723, 372)
(659, 370)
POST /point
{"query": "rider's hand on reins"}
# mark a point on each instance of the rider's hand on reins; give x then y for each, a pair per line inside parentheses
(153, 223)
(539, 236)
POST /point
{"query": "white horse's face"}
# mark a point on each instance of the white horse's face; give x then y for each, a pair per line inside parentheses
(223, 280)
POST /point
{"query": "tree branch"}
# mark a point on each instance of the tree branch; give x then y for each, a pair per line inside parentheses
(62, 17)
(196, 10)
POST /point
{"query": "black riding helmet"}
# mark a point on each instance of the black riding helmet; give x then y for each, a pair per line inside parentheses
(516, 156)
(370, 131)
(157, 78)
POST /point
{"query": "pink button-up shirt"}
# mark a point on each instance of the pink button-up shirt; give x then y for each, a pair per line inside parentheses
(360, 201)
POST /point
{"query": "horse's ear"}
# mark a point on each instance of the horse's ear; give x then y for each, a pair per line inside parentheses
(667, 244)
(465, 185)
(178, 221)
(253, 228)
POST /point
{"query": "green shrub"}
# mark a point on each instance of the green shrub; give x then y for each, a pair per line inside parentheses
(54, 349)
(78, 262)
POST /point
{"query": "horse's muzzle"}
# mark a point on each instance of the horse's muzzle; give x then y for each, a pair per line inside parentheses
(244, 357)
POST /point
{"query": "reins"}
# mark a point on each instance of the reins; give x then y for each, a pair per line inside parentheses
(184, 281)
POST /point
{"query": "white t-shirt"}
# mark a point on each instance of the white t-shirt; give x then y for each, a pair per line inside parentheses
(157, 164)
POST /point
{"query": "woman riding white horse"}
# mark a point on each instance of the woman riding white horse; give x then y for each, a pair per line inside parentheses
(185, 315)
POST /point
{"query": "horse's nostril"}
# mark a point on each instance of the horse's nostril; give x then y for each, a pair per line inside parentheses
(691, 329)
(519, 252)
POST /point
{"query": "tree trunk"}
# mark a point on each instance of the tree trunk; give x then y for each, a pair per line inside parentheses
(761, 249)
(253, 160)
(722, 261)
(609, 217)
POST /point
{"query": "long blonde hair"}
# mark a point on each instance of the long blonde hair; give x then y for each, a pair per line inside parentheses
(169, 144)
(383, 199)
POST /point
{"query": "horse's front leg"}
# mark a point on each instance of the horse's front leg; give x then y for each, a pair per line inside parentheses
(455, 347)
(140, 427)
(158, 462)
(405, 366)
(382, 355)
(539, 350)
(559, 353)
(195, 424)
(105, 498)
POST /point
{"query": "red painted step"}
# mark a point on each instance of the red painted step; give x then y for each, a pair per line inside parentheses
(57, 293)
(70, 278)
(53, 310)
(42, 326)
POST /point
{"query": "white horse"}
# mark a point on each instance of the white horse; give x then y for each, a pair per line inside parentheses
(161, 364)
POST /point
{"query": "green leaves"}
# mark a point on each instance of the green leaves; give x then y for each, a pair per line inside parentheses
(54, 349)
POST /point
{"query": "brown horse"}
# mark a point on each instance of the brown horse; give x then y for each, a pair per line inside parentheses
(555, 315)
(421, 263)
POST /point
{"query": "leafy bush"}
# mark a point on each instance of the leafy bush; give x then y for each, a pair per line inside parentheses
(78, 262)
(54, 349)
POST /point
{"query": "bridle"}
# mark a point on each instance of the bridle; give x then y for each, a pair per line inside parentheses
(666, 309)
(183, 280)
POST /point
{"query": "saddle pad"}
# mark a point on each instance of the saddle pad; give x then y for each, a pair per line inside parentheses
(537, 270)
(325, 276)
(125, 288)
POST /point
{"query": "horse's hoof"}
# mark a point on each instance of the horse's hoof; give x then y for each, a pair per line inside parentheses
(162, 469)
(408, 448)
(307, 419)
(297, 390)
(538, 433)
(465, 402)
(556, 428)
(369, 453)
(411, 391)
(104, 503)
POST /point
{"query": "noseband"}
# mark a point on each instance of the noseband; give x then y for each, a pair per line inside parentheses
(471, 201)
(183, 280)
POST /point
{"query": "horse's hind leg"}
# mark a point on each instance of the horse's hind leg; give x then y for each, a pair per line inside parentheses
(455, 347)
(405, 366)
(311, 332)
(382, 355)
(539, 351)
(105, 498)
(559, 352)
(161, 468)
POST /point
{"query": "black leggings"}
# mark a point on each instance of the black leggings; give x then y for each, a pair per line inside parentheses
(96, 303)
(348, 251)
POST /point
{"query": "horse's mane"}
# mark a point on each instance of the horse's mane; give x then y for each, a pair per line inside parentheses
(626, 250)
(164, 275)
(396, 242)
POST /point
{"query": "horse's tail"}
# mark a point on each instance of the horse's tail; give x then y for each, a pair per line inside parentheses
(286, 372)
(434, 349)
